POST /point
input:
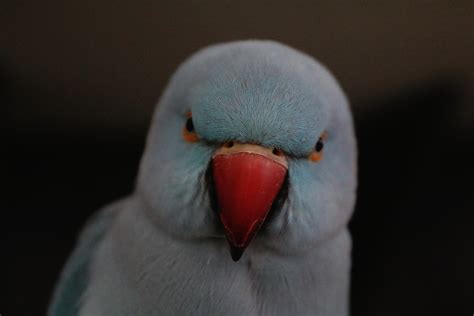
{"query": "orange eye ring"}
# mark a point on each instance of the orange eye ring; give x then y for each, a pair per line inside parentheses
(189, 134)
(190, 137)
(315, 157)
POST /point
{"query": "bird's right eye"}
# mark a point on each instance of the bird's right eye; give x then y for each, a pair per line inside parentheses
(189, 134)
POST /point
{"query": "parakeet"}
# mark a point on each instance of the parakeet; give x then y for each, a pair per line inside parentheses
(243, 195)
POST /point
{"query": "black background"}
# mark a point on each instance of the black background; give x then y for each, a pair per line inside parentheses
(78, 83)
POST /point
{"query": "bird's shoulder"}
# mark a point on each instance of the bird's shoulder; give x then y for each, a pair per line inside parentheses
(74, 276)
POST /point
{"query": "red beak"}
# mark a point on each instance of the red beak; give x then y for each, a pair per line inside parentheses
(247, 180)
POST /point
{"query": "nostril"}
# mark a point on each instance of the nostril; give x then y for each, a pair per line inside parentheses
(277, 152)
(229, 144)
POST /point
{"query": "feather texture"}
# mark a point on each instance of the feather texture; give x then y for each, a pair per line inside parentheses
(165, 252)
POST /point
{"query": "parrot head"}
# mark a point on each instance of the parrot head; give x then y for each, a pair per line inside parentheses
(251, 141)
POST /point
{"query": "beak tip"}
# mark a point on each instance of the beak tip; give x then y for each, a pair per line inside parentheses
(236, 253)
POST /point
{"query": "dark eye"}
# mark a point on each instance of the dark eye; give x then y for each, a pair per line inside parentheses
(319, 145)
(190, 124)
(317, 153)
(189, 134)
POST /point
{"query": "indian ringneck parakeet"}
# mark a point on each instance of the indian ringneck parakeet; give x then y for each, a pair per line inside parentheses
(242, 200)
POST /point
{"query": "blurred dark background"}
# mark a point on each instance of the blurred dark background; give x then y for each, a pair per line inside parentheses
(79, 81)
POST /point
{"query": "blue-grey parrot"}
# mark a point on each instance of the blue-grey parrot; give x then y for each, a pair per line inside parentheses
(242, 200)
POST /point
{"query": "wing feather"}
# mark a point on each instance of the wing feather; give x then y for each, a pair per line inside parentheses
(74, 277)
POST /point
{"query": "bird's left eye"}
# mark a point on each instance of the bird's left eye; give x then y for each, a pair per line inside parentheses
(189, 134)
(317, 153)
